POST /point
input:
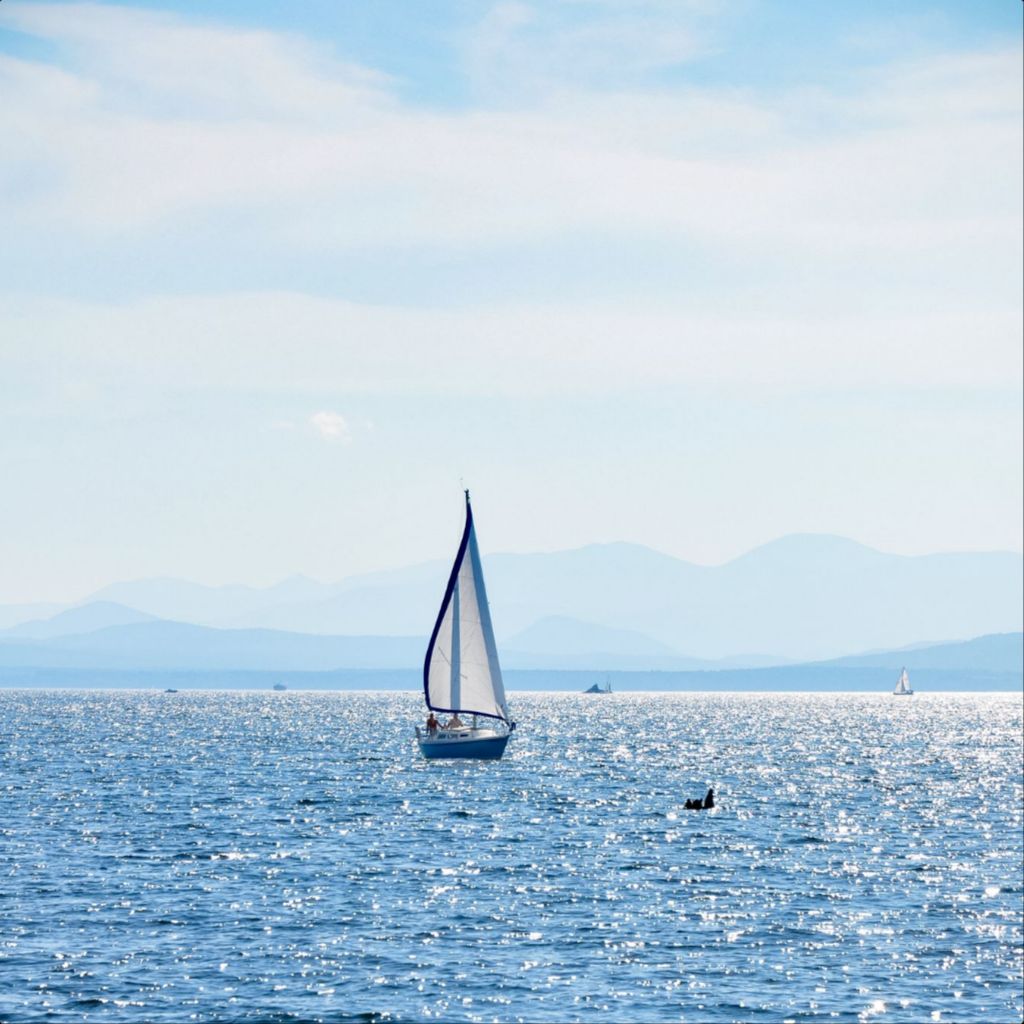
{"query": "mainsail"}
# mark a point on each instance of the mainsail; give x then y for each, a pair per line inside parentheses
(903, 683)
(461, 671)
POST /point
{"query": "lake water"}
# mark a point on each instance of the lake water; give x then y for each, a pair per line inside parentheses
(287, 857)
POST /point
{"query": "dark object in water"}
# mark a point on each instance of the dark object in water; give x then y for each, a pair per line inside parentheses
(698, 805)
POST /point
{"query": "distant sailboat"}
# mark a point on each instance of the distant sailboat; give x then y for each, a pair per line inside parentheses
(461, 674)
(903, 687)
(598, 688)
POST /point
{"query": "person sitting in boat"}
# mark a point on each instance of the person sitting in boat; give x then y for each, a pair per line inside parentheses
(701, 805)
(454, 722)
(432, 723)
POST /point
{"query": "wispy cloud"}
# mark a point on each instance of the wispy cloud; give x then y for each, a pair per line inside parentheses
(150, 115)
(331, 426)
(155, 345)
(592, 265)
(524, 50)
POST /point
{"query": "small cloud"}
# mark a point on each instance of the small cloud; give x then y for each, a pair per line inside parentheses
(331, 426)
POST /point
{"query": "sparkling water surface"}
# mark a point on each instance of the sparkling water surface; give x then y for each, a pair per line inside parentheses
(278, 857)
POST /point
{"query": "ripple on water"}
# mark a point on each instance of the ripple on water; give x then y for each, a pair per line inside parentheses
(227, 856)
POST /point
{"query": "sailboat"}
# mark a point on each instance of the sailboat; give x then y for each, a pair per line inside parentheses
(903, 687)
(461, 674)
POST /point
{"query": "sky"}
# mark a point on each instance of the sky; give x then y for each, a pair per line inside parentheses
(278, 280)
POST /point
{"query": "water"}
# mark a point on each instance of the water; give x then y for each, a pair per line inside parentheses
(273, 857)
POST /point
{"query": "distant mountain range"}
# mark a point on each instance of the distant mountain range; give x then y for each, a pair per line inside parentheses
(85, 618)
(155, 645)
(1000, 652)
(804, 598)
(161, 645)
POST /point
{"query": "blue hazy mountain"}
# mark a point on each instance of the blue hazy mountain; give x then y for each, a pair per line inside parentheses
(159, 645)
(801, 598)
(559, 634)
(16, 614)
(83, 619)
(155, 645)
(183, 601)
(1001, 652)
(559, 642)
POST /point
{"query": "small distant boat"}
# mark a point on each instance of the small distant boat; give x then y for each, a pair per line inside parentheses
(598, 688)
(169, 690)
(461, 674)
(903, 687)
(280, 687)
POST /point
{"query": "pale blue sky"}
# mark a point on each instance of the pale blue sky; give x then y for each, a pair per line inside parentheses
(274, 277)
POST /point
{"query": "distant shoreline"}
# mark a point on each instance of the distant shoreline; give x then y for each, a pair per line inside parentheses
(512, 693)
(801, 679)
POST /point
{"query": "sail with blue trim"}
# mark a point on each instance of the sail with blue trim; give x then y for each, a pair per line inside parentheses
(461, 673)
